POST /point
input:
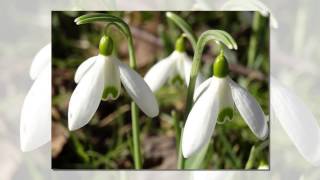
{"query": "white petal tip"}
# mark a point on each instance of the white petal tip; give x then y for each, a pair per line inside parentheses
(154, 113)
(188, 150)
(74, 126)
(76, 123)
(153, 110)
(33, 76)
(265, 133)
(186, 154)
(26, 146)
(71, 128)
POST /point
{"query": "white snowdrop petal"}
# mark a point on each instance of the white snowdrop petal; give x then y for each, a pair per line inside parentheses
(180, 58)
(40, 61)
(226, 102)
(35, 122)
(160, 72)
(187, 71)
(297, 121)
(201, 120)
(250, 110)
(201, 89)
(138, 90)
(112, 83)
(86, 98)
(84, 68)
(215, 175)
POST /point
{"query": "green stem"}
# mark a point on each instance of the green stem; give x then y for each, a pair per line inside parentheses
(134, 112)
(178, 131)
(184, 26)
(136, 137)
(132, 53)
(181, 159)
(253, 43)
(251, 158)
(253, 153)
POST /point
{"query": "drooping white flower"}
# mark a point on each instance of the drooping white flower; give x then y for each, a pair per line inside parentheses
(35, 122)
(297, 121)
(214, 100)
(250, 5)
(100, 77)
(176, 68)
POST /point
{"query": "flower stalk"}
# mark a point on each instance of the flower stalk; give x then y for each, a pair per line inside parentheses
(136, 136)
(177, 128)
(181, 159)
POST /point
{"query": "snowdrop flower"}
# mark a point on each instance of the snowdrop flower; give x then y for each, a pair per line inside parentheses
(250, 5)
(176, 68)
(100, 77)
(214, 101)
(35, 117)
(297, 121)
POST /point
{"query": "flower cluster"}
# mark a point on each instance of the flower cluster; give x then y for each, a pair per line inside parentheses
(101, 77)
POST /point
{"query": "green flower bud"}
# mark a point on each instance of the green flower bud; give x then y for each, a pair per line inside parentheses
(220, 66)
(106, 46)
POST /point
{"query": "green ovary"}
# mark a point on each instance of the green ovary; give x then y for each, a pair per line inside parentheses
(109, 92)
(224, 114)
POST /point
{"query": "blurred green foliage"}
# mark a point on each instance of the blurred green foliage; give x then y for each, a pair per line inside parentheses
(105, 143)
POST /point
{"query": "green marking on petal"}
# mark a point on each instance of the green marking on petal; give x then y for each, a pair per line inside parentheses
(225, 114)
(177, 80)
(109, 92)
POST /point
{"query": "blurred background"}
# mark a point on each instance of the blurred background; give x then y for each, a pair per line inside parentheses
(105, 143)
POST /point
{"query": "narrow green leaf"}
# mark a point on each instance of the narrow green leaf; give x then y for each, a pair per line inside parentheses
(218, 36)
(184, 26)
(96, 17)
(86, 16)
(251, 158)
